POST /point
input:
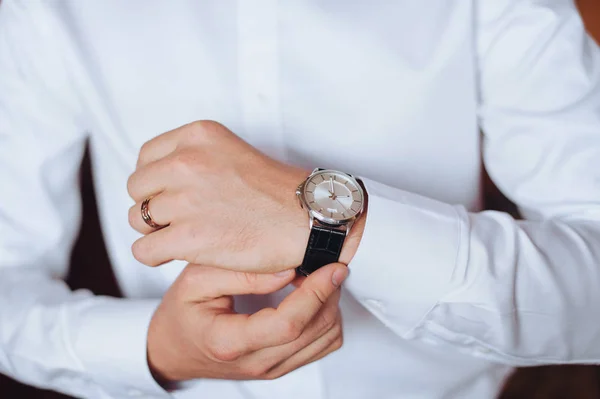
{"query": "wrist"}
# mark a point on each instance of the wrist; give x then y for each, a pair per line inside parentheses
(163, 359)
(299, 241)
(155, 359)
(299, 223)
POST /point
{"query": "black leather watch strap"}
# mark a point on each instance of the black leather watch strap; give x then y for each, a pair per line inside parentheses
(324, 247)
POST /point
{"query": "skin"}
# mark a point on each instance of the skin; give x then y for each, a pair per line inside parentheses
(232, 210)
(195, 333)
(226, 204)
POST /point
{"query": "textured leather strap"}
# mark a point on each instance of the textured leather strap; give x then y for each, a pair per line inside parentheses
(324, 247)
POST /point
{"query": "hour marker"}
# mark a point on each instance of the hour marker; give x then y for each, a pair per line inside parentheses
(343, 214)
(322, 177)
(354, 191)
(330, 214)
(311, 202)
(334, 177)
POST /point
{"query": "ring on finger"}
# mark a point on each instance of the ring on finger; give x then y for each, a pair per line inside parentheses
(147, 217)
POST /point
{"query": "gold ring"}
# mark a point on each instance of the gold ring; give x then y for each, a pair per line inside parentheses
(147, 216)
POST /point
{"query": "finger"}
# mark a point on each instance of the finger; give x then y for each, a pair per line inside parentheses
(181, 240)
(304, 303)
(202, 283)
(160, 146)
(165, 144)
(160, 208)
(161, 246)
(155, 177)
(273, 327)
(297, 282)
(184, 240)
(335, 345)
(329, 342)
(324, 321)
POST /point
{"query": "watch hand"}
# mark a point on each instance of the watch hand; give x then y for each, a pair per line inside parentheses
(345, 209)
(331, 188)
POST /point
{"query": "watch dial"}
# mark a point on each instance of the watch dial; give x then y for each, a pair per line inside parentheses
(334, 195)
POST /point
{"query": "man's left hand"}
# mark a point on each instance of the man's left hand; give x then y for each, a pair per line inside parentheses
(223, 202)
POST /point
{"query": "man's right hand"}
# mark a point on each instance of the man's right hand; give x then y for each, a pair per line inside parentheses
(195, 332)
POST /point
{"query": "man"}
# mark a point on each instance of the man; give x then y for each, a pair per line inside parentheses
(442, 298)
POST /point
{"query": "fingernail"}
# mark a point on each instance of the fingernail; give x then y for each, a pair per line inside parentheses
(284, 273)
(339, 276)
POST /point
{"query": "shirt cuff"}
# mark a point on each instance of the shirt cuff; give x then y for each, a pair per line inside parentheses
(110, 343)
(406, 257)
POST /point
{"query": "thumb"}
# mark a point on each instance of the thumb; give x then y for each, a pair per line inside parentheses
(203, 283)
(271, 327)
(306, 301)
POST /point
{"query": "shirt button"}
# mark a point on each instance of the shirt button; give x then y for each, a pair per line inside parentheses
(375, 304)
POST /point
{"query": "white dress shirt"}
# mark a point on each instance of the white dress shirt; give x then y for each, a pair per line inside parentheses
(443, 298)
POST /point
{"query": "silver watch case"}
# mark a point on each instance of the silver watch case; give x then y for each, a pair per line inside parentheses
(317, 218)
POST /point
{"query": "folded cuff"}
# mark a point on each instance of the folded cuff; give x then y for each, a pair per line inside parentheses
(111, 342)
(406, 258)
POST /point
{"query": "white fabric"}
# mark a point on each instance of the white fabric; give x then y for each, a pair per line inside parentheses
(443, 298)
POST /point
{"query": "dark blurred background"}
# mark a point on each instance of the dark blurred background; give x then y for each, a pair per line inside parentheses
(555, 382)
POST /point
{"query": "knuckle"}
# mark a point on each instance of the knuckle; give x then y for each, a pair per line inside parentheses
(183, 161)
(316, 294)
(337, 330)
(319, 295)
(144, 149)
(273, 375)
(333, 340)
(329, 318)
(338, 343)
(219, 349)
(199, 131)
(248, 279)
(194, 134)
(208, 126)
(143, 155)
(278, 372)
(256, 371)
(290, 330)
(223, 353)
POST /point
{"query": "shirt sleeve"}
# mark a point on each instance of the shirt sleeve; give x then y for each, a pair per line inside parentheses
(50, 337)
(519, 292)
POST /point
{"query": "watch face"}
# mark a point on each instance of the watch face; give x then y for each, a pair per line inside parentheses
(334, 195)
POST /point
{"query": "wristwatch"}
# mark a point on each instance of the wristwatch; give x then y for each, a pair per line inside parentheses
(334, 200)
